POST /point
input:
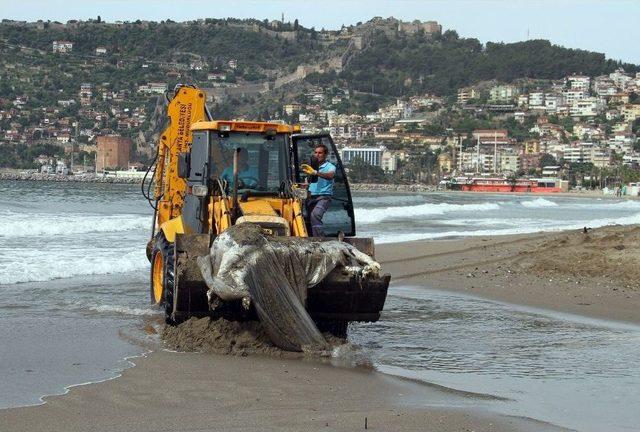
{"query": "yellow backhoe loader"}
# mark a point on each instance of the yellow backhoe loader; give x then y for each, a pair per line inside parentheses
(195, 202)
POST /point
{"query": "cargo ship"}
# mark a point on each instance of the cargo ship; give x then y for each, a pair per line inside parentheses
(521, 185)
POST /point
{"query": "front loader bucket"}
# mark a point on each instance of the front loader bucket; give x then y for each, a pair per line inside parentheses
(341, 297)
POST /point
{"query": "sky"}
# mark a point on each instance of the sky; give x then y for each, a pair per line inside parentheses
(607, 26)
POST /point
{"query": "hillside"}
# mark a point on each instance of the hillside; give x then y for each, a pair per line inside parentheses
(386, 61)
(413, 64)
(71, 82)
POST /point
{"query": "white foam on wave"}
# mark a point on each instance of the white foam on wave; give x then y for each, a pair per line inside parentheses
(390, 200)
(597, 223)
(47, 266)
(122, 310)
(43, 224)
(489, 222)
(618, 205)
(375, 215)
(538, 203)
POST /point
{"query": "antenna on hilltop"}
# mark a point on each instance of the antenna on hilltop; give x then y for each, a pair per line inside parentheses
(527, 34)
(282, 17)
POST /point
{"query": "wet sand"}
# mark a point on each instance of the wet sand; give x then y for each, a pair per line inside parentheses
(591, 274)
(594, 274)
(195, 392)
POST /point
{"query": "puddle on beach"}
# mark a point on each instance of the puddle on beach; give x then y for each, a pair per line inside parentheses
(571, 371)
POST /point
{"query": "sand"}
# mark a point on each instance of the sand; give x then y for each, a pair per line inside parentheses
(593, 274)
(204, 392)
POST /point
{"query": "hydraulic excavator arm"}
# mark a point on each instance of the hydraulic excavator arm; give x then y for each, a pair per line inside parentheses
(186, 108)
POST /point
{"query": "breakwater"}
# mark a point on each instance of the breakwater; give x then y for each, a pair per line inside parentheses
(93, 178)
(81, 178)
(388, 187)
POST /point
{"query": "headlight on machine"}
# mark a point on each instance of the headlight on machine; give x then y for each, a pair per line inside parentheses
(199, 190)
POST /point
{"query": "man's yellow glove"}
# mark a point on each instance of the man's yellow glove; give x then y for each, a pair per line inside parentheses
(308, 170)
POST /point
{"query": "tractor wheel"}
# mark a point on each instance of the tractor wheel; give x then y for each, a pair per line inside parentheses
(162, 274)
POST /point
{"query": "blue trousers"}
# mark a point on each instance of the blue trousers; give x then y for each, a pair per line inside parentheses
(317, 206)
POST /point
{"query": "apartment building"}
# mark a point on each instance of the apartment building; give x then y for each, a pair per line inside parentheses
(587, 107)
(466, 94)
(502, 93)
(370, 155)
(579, 82)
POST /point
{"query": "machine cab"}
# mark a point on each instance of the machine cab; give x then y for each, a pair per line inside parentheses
(339, 218)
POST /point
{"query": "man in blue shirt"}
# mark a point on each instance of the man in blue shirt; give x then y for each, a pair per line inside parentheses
(321, 191)
(247, 174)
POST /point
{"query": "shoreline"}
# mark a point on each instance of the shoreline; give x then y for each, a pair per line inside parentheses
(16, 175)
(548, 270)
(59, 178)
(249, 393)
(256, 392)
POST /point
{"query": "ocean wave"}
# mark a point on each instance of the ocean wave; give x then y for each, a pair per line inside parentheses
(42, 224)
(122, 310)
(596, 223)
(489, 222)
(538, 203)
(44, 266)
(389, 200)
(372, 216)
(618, 205)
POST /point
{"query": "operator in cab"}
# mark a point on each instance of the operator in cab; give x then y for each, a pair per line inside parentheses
(320, 191)
(247, 174)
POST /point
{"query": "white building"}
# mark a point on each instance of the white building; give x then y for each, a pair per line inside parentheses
(509, 162)
(101, 50)
(523, 100)
(62, 46)
(570, 96)
(389, 161)
(620, 79)
(587, 107)
(604, 86)
(552, 102)
(536, 99)
(502, 93)
(153, 87)
(579, 82)
(630, 112)
(370, 155)
(587, 152)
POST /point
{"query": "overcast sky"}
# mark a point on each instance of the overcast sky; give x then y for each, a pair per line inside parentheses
(608, 26)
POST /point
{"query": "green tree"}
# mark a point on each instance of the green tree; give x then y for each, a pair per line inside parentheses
(547, 160)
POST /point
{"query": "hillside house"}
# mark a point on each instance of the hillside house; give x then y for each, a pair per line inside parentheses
(62, 47)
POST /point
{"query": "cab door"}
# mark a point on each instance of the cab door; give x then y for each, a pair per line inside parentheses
(339, 218)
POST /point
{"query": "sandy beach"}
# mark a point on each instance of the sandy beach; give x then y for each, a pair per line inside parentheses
(593, 274)
(196, 392)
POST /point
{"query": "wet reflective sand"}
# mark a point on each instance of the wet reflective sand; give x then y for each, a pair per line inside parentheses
(571, 371)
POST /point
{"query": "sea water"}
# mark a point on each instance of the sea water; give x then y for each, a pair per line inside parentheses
(571, 371)
(74, 281)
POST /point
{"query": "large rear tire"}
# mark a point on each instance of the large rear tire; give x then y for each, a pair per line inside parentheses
(163, 275)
